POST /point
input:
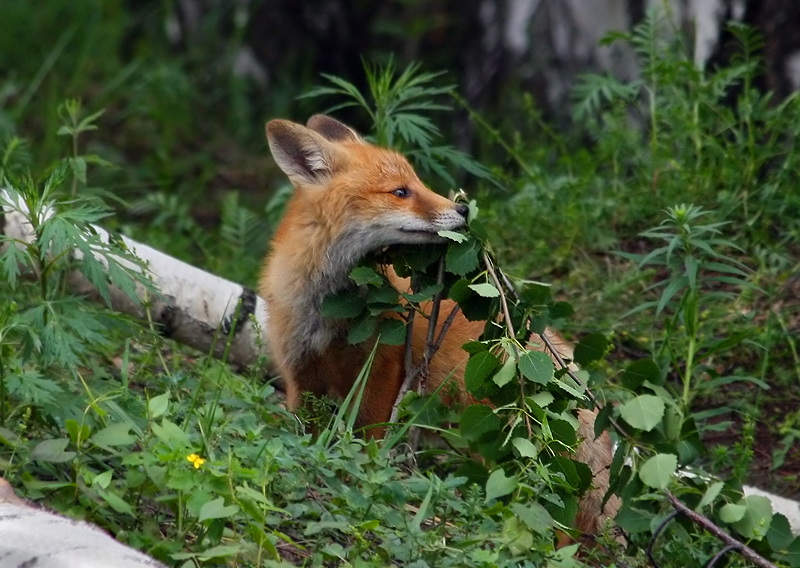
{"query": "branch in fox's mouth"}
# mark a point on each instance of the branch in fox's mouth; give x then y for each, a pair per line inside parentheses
(420, 232)
(431, 346)
(510, 325)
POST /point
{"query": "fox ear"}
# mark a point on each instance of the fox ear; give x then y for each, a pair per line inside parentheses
(332, 129)
(303, 155)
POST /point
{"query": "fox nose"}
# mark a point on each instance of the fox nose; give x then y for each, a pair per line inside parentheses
(462, 210)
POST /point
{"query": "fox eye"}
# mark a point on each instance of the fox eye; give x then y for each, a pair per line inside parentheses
(401, 192)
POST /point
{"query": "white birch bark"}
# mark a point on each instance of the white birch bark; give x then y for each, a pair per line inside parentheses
(35, 537)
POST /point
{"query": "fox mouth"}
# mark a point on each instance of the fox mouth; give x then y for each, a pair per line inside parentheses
(421, 231)
(427, 234)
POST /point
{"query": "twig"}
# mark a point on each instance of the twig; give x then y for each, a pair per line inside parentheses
(657, 532)
(415, 371)
(412, 372)
(445, 326)
(732, 544)
(720, 554)
(500, 288)
(408, 359)
(434, 319)
(510, 325)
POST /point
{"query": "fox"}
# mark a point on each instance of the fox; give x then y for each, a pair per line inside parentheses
(352, 198)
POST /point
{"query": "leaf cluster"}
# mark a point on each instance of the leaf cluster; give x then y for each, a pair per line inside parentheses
(47, 334)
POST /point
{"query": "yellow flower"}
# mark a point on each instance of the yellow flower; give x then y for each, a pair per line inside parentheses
(196, 460)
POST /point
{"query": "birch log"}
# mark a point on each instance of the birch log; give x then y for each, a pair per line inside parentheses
(35, 537)
(195, 308)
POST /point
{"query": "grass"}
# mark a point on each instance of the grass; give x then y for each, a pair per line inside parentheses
(104, 429)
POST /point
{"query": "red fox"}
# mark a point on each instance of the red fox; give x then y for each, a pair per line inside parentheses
(351, 198)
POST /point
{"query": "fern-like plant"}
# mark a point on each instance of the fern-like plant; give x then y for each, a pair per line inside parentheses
(398, 105)
(47, 334)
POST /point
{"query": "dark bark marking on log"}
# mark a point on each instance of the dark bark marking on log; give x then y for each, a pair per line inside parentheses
(246, 306)
(167, 321)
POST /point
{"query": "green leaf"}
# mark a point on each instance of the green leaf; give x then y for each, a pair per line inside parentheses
(643, 412)
(462, 258)
(380, 297)
(477, 420)
(537, 367)
(633, 520)
(672, 288)
(532, 292)
(536, 517)
(561, 310)
(116, 502)
(77, 433)
(640, 371)
(708, 497)
(424, 509)
(516, 537)
(220, 551)
(427, 293)
(362, 329)
(365, 275)
(525, 447)
(453, 236)
(78, 166)
(474, 307)
(591, 348)
(657, 471)
(170, 433)
(507, 373)
(103, 480)
(52, 451)
(479, 367)
(780, 535)
(158, 405)
(498, 485)
(12, 259)
(114, 435)
(563, 431)
(755, 523)
(216, 509)
(392, 331)
(566, 467)
(31, 386)
(543, 399)
(486, 290)
(343, 306)
(732, 513)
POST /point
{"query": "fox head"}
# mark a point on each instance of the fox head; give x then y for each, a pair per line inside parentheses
(356, 192)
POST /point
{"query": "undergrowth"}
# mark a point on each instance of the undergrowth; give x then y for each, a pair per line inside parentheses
(179, 456)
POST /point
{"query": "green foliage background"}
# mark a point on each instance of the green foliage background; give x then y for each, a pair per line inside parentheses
(664, 210)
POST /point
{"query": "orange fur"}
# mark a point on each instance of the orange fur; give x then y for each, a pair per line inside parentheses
(352, 198)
